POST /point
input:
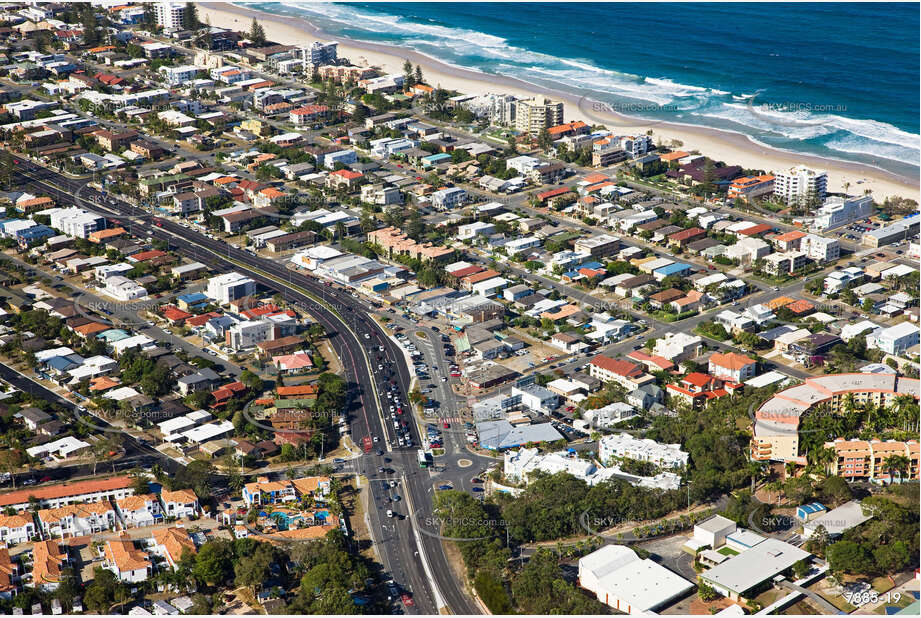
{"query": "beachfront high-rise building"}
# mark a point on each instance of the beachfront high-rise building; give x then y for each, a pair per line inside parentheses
(169, 14)
(319, 53)
(800, 185)
(534, 115)
(838, 211)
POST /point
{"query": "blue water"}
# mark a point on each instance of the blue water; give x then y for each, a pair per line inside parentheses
(836, 80)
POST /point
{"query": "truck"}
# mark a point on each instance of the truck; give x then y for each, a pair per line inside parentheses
(425, 458)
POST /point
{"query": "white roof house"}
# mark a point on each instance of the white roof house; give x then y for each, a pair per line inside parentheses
(63, 447)
(620, 579)
(837, 521)
(734, 577)
(207, 432)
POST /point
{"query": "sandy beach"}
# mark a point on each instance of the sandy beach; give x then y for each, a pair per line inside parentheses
(733, 148)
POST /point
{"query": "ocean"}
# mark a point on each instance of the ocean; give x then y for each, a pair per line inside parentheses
(835, 80)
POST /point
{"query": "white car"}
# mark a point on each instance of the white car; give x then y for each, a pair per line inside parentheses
(389, 513)
(367, 336)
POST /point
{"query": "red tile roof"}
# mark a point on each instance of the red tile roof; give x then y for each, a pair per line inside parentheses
(620, 367)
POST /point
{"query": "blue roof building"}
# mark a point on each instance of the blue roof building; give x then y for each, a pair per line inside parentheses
(34, 234)
(678, 268)
(809, 511)
(435, 159)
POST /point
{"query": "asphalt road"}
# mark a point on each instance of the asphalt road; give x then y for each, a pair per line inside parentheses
(355, 337)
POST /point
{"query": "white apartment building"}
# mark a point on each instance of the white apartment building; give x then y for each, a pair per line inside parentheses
(536, 398)
(244, 335)
(16, 528)
(229, 287)
(123, 288)
(895, 339)
(128, 563)
(523, 164)
(623, 445)
(747, 250)
(798, 184)
(784, 263)
(838, 211)
(180, 503)
(819, 248)
(175, 76)
(449, 198)
(75, 221)
(381, 195)
(601, 245)
(840, 279)
(677, 346)
(636, 145)
(320, 53)
(139, 510)
(516, 246)
(534, 115)
(169, 14)
(520, 464)
(477, 228)
(77, 519)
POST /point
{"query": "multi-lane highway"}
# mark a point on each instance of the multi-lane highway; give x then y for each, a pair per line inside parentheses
(416, 561)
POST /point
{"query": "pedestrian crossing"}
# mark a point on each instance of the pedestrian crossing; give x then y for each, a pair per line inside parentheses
(451, 419)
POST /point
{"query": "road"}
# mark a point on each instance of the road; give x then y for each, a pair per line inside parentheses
(356, 337)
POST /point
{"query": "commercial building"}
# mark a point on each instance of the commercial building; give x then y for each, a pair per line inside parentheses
(744, 575)
(800, 184)
(898, 231)
(622, 580)
(230, 287)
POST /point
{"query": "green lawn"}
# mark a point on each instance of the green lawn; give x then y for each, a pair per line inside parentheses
(728, 551)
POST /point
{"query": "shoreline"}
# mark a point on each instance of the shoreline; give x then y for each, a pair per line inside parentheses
(734, 148)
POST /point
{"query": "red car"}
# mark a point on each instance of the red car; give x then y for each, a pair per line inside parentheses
(445, 424)
(407, 600)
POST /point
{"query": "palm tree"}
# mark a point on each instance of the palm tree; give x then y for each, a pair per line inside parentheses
(756, 470)
(897, 463)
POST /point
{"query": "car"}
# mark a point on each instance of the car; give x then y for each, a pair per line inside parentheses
(367, 336)
(407, 600)
(380, 452)
(476, 479)
(395, 498)
(380, 470)
(445, 487)
(445, 424)
(393, 483)
(376, 439)
(477, 489)
(389, 513)
(44, 479)
(380, 367)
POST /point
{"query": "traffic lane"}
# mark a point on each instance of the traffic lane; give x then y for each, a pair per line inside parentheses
(404, 379)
